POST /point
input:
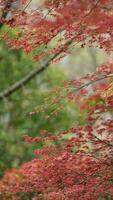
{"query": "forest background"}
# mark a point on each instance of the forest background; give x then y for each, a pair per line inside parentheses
(15, 118)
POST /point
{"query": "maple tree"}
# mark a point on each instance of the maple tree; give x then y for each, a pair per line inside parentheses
(56, 20)
(77, 163)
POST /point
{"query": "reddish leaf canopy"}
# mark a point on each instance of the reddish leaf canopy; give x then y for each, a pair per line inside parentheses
(74, 20)
(80, 166)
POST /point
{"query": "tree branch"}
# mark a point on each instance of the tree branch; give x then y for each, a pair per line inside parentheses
(23, 81)
(91, 82)
(30, 76)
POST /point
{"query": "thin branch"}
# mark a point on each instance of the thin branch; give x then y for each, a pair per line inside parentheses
(27, 5)
(104, 141)
(91, 82)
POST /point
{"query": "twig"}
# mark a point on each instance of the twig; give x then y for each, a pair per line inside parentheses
(27, 5)
(90, 83)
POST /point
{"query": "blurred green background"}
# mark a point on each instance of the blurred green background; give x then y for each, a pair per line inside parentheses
(15, 120)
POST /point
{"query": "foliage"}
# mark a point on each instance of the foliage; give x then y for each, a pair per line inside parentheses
(76, 163)
(55, 18)
(15, 120)
(75, 167)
